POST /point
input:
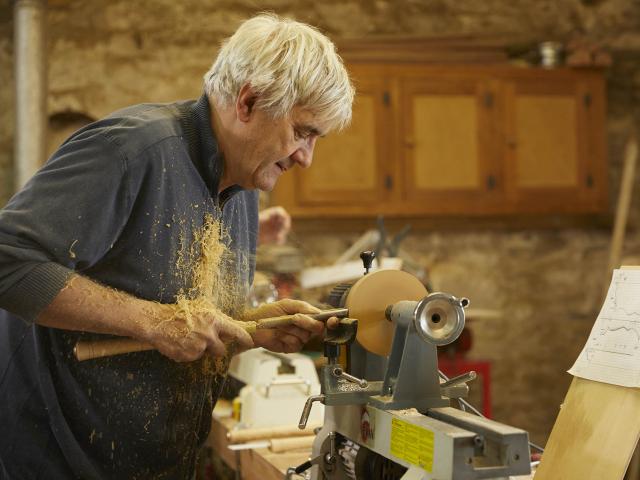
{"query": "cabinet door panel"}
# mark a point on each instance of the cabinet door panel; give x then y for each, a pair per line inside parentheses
(345, 160)
(348, 165)
(548, 155)
(446, 145)
(546, 127)
(450, 161)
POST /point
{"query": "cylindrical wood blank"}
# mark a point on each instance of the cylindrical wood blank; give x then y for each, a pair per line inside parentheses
(279, 445)
(252, 434)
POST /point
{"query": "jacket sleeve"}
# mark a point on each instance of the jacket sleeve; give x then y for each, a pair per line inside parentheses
(64, 219)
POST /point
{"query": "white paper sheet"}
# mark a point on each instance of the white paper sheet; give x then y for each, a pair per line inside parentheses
(612, 352)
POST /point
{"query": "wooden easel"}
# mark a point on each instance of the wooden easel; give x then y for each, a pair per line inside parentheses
(595, 434)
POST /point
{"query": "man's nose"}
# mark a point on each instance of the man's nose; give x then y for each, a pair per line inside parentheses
(303, 156)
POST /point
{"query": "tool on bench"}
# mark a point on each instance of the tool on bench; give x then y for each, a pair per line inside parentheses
(87, 350)
(277, 445)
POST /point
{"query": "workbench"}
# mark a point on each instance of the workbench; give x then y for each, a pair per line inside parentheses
(254, 464)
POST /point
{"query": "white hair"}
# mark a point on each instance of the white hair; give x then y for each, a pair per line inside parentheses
(287, 63)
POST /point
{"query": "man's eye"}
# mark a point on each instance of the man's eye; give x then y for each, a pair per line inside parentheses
(302, 134)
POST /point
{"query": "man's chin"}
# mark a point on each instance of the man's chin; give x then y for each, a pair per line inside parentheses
(267, 186)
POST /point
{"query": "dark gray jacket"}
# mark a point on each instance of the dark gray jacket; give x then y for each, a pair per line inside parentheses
(118, 202)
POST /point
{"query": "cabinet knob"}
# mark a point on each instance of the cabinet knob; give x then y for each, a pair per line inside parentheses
(388, 182)
(409, 142)
(491, 182)
(488, 99)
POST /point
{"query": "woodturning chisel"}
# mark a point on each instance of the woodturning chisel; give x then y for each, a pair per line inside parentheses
(90, 349)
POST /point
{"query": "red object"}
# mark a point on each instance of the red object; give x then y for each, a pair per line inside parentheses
(284, 283)
(454, 366)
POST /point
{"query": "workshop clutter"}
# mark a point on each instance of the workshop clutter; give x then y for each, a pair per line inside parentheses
(275, 388)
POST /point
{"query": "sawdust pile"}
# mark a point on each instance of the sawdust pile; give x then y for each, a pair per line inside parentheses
(213, 287)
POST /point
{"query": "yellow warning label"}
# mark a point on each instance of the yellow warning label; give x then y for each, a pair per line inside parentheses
(412, 443)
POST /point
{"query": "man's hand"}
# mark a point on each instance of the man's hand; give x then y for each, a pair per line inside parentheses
(290, 338)
(182, 332)
(274, 224)
(207, 330)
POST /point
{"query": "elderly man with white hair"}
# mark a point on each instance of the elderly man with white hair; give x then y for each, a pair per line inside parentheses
(95, 246)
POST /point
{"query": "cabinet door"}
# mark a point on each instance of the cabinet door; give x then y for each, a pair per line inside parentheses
(553, 146)
(349, 170)
(449, 130)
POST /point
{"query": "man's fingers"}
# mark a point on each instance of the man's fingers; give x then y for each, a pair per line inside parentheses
(333, 323)
(290, 343)
(223, 332)
(183, 349)
(305, 322)
(301, 333)
(215, 347)
(291, 306)
(229, 331)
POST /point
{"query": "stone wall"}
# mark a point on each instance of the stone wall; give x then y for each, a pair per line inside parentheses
(106, 54)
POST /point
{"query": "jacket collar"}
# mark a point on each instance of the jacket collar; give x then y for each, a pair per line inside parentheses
(204, 150)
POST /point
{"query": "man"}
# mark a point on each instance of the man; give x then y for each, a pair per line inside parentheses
(95, 242)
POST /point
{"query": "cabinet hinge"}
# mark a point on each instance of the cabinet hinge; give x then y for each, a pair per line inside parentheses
(589, 181)
(488, 99)
(386, 98)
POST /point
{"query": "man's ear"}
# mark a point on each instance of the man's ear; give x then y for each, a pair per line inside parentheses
(245, 102)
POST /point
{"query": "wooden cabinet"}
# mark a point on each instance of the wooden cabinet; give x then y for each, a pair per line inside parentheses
(459, 140)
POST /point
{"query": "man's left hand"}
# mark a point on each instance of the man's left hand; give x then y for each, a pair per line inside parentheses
(290, 338)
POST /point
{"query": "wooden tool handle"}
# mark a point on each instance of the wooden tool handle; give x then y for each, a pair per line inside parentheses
(87, 350)
(266, 433)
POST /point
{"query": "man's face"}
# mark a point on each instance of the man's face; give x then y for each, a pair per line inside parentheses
(270, 147)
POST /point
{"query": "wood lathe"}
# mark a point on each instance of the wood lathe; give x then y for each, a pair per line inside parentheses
(387, 406)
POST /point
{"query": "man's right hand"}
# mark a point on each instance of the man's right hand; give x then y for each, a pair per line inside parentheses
(205, 331)
(85, 305)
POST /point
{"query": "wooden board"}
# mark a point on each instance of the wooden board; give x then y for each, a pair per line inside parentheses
(595, 433)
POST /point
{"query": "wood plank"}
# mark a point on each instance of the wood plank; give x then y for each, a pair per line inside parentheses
(624, 202)
(595, 434)
(444, 49)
